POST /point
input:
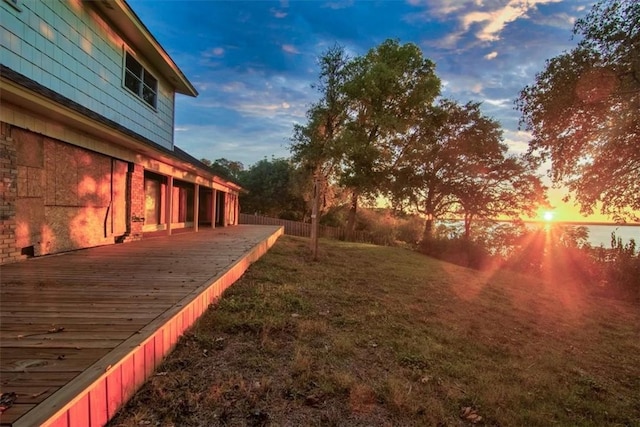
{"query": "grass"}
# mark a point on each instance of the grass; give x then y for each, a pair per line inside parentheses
(378, 336)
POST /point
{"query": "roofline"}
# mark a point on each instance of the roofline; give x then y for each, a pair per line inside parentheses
(125, 19)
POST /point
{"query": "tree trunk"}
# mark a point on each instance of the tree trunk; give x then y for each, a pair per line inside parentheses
(351, 219)
(427, 234)
(467, 227)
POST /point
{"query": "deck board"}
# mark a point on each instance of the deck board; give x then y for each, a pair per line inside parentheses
(80, 331)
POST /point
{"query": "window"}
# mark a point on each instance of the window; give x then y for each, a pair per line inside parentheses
(140, 81)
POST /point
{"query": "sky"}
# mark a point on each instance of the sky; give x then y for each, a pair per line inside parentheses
(254, 62)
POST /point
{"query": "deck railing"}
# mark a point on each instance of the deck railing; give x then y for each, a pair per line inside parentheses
(303, 229)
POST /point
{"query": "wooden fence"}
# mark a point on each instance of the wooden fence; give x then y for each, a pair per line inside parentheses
(303, 229)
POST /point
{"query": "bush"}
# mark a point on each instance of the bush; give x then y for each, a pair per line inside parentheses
(409, 229)
(458, 250)
(623, 266)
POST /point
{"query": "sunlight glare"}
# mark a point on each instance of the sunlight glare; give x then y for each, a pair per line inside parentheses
(548, 216)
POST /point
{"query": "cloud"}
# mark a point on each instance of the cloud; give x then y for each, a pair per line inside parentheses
(517, 140)
(485, 19)
(232, 86)
(278, 13)
(492, 55)
(218, 51)
(336, 5)
(499, 102)
(559, 20)
(289, 48)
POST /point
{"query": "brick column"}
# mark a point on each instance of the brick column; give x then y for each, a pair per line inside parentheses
(8, 190)
(137, 201)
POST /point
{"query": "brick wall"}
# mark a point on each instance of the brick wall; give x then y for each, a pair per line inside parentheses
(9, 193)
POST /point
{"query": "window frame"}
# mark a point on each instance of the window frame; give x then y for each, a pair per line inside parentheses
(141, 80)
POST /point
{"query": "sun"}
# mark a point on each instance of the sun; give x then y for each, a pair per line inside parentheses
(548, 216)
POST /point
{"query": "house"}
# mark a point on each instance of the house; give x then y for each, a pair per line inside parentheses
(87, 98)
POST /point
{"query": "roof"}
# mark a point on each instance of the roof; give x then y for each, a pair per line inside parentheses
(127, 22)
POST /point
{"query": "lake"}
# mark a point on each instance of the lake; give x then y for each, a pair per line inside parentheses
(601, 234)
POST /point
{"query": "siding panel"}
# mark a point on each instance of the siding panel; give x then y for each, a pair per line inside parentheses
(68, 41)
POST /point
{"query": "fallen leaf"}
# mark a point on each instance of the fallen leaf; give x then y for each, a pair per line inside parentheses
(6, 400)
(470, 414)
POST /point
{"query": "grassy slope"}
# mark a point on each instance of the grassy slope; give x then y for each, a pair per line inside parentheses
(382, 336)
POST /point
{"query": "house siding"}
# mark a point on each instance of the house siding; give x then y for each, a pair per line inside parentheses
(67, 47)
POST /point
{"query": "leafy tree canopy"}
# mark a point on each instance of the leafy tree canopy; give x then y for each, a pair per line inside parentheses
(270, 189)
(453, 162)
(583, 112)
(224, 168)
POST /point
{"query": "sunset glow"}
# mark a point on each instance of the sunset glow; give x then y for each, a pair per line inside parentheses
(548, 216)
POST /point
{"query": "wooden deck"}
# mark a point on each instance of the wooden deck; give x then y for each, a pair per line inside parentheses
(81, 331)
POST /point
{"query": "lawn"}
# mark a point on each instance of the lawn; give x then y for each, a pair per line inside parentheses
(378, 336)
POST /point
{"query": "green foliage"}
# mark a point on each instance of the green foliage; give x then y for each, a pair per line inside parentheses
(583, 112)
(457, 250)
(623, 266)
(270, 191)
(454, 162)
(387, 90)
(316, 146)
(226, 169)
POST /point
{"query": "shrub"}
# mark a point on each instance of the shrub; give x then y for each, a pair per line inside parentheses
(458, 250)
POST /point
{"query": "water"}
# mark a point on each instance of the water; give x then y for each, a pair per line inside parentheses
(601, 234)
(598, 234)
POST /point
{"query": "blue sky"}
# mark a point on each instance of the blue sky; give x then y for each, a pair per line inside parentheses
(253, 62)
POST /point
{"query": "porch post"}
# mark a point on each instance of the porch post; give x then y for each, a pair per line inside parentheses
(214, 195)
(237, 209)
(196, 206)
(169, 207)
(223, 209)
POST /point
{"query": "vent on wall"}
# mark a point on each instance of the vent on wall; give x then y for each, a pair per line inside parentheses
(107, 4)
(14, 4)
(29, 251)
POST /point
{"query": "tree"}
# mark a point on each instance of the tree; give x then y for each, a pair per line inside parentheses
(386, 90)
(506, 186)
(270, 190)
(315, 146)
(583, 112)
(224, 168)
(419, 178)
(453, 162)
